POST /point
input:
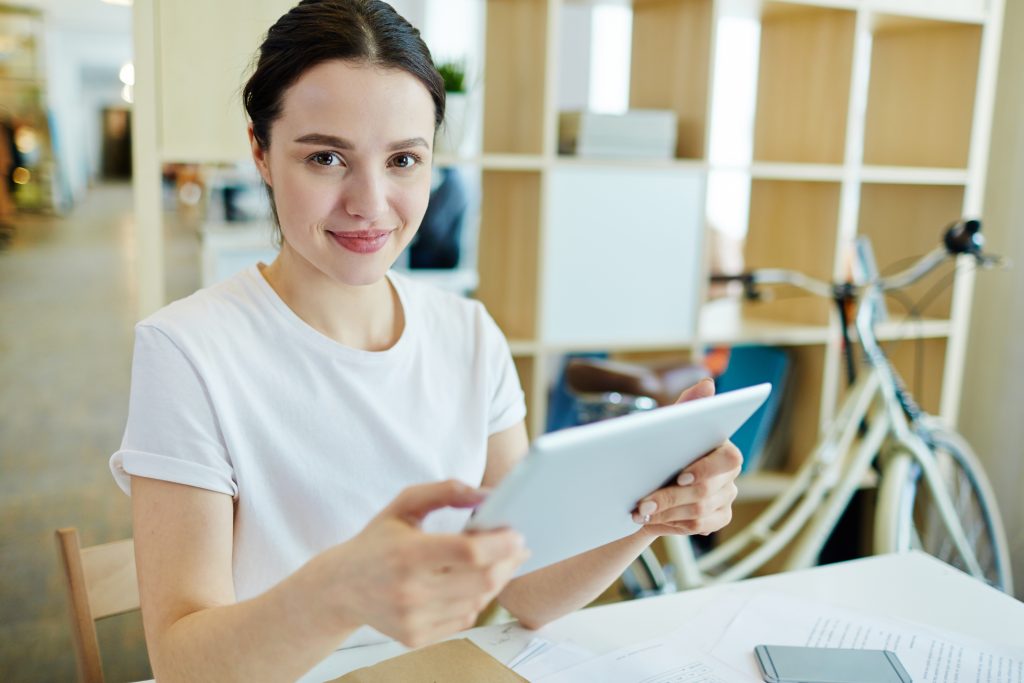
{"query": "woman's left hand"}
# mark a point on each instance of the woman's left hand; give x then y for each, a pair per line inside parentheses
(700, 501)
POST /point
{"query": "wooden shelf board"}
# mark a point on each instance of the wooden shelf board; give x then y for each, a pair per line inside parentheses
(614, 346)
(890, 14)
(722, 322)
(765, 486)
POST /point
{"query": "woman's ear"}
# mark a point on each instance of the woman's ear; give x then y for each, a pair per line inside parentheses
(259, 156)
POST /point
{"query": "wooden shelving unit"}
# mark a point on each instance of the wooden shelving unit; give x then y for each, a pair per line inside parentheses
(869, 117)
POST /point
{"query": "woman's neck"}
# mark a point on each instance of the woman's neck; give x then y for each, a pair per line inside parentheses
(368, 317)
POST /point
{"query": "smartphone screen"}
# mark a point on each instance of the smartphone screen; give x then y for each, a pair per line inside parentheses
(783, 664)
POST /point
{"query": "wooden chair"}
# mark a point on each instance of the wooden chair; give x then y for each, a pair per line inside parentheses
(101, 583)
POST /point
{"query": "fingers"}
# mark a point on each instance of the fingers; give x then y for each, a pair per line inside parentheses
(450, 583)
(449, 600)
(726, 458)
(702, 389)
(702, 491)
(415, 502)
(699, 508)
(466, 551)
(703, 526)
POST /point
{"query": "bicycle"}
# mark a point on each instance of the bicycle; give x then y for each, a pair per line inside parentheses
(932, 494)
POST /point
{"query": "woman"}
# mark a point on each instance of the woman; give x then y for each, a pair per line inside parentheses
(305, 440)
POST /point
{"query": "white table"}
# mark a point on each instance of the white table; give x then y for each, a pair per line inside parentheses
(914, 586)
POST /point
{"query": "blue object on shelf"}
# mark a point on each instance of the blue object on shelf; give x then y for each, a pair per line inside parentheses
(563, 407)
(750, 365)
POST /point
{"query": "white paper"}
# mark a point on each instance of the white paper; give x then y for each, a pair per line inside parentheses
(543, 657)
(665, 660)
(928, 655)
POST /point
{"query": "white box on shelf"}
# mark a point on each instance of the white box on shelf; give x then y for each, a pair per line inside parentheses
(637, 134)
(622, 256)
(231, 247)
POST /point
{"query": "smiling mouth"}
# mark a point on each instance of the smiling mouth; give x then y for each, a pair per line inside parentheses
(362, 241)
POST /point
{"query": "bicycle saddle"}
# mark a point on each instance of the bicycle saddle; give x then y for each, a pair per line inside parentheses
(662, 382)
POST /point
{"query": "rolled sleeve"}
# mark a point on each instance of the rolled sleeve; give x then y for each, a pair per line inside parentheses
(172, 432)
(507, 401)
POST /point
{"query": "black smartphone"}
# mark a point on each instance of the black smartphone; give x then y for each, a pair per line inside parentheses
(785, 664)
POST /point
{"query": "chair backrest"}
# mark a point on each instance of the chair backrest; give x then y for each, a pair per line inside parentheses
(101, 582)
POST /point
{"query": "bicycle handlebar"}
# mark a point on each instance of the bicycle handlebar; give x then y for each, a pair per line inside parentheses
(961, 238)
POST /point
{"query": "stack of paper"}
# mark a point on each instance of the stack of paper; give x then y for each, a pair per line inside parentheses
(720, 649)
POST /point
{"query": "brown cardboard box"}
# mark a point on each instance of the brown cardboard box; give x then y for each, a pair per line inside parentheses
(452, 661)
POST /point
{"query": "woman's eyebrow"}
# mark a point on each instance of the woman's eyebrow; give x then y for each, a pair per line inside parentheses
(342, 143)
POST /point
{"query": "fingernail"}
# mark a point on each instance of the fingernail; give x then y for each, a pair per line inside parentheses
(648, 508)
(685, 479)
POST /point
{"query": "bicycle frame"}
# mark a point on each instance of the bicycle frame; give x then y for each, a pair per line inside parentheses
(805, 514)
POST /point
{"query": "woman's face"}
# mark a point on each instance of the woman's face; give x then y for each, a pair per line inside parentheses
(349, 165)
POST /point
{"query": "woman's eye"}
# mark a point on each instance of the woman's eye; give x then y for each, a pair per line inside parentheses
(325, 159)
(405, 160)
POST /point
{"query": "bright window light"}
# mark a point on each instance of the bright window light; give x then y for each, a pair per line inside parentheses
(737, 47)
(127, 74)
(610, 46)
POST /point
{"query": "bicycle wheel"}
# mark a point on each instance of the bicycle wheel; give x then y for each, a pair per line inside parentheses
(908, 515)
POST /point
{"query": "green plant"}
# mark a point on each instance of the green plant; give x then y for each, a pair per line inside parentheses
(454, 75)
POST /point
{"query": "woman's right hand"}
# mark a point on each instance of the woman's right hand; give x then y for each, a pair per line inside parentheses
(413, 586)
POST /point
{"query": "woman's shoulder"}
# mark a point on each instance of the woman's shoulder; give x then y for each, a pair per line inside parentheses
(433, 300)
(446, 314)
(212, 310)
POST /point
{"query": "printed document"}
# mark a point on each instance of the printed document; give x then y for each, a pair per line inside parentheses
(928, 655)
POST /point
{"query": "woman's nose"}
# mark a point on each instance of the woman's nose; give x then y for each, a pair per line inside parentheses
(366, 196)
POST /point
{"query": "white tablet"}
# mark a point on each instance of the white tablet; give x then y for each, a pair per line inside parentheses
(577, 488)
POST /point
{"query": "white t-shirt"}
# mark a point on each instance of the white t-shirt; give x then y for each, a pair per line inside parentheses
(231, 391)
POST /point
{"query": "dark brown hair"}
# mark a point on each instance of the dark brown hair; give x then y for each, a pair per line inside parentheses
(317, 31)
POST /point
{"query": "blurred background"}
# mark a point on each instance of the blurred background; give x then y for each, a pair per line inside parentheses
(731, 133)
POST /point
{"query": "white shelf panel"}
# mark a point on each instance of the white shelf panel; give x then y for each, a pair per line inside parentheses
(959, 11)
(495, 162)
(566, 161)
(962, 11)
(522, 347)
(803, 172)
(928, 328)
(906, 175)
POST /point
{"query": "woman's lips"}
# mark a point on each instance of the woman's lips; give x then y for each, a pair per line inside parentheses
(362, 242)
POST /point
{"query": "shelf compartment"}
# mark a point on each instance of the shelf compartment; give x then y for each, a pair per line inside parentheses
(904, 221)
(792, 225)
(803, 83)
(921, 92)
(507, 254)
(670, 65)
(921, 364)
(515, 76)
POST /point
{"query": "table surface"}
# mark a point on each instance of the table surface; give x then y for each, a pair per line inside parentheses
(911, 586)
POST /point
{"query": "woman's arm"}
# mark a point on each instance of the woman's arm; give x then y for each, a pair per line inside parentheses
(194, 628)
(413, 586)
(700, 505)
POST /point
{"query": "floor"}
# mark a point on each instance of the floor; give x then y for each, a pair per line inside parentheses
(67, 307)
